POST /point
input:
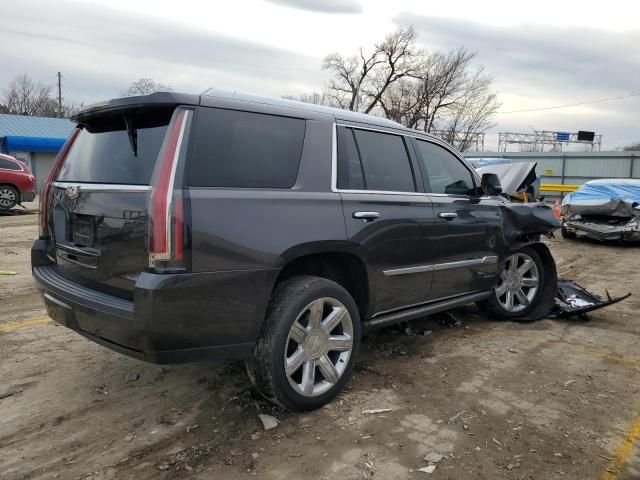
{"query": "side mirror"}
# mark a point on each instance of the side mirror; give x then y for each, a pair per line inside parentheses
(490, 184)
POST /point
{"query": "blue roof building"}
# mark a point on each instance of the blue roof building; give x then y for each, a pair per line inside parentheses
(34, 140)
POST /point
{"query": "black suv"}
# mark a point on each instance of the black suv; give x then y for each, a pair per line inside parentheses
(178, 227)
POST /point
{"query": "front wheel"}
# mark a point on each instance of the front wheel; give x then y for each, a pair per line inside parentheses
(308, 345)
(520, 287)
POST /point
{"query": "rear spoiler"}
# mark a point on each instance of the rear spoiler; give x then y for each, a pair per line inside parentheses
(110, 107)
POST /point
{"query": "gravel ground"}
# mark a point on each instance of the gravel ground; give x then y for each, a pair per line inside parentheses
(548, 399)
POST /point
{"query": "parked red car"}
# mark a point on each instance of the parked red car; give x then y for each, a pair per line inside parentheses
(17, 184)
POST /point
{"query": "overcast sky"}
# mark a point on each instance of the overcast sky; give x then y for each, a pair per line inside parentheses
(542, 54)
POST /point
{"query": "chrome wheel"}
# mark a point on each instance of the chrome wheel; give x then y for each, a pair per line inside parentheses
(7, 197)
(318, 347)
(518, 283)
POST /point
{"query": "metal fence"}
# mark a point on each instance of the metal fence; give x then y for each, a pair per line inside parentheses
(573, 168)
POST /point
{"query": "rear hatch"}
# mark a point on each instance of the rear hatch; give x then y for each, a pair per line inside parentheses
(98, 215)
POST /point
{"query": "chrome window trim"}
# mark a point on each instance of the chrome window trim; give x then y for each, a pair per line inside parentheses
(103, 187)
(437, 141)
(435, 267)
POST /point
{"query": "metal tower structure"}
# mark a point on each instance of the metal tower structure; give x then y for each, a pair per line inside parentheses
(537, 140)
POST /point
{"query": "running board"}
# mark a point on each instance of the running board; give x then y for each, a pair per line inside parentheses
(422, 311)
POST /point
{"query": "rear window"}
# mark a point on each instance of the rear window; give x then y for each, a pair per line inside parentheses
(103, 152)
(9, 165)
(245, 150)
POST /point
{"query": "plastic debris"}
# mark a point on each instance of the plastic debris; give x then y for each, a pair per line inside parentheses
(376, 410)
(427, 469)
(433, 457)
(268, 422)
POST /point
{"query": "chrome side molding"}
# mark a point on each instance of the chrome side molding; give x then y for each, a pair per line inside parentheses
(102, 187)
(488, 260)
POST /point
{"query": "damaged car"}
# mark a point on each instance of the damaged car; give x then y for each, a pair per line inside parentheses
(604, 209)
(518, 180)
(178, 227)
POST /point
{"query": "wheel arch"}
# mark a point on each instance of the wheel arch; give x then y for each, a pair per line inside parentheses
(341, 262)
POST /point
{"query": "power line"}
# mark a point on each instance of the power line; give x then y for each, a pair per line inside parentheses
(573, 104)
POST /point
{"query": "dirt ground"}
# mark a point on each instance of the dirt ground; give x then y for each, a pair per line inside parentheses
(543, 400)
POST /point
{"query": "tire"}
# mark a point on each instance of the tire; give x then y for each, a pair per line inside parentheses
(297, 331)
(497, 304)
(9, 197)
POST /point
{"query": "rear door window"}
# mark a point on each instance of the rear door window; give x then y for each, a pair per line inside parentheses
(442, 171)
(245, 149)
(103, 151)
(385, 161)
(9, 165)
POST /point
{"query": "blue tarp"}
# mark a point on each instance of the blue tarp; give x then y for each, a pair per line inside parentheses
(606, 189)
(606, 196)
(32, 144)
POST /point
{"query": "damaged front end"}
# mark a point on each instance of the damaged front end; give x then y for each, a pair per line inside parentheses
(604, 210)
(522, 226)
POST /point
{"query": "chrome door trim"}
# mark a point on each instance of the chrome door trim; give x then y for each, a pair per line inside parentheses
(103, 187)
(435, 267)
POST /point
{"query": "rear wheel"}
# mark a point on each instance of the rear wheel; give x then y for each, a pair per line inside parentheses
(520, 287)
(308, 345)
(8, 197)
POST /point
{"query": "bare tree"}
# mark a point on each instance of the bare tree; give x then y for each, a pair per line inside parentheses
(446, 96)
(439, 92)
(369, 75)
(144, 86)
(25, 97)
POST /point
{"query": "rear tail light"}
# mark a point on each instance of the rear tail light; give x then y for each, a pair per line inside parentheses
(44, 193)
(166, 215)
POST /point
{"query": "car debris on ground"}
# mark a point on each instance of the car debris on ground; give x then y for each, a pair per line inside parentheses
(268, 422)
(604, 209)
(574, 300)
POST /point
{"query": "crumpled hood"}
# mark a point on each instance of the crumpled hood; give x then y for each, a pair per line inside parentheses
(514, 177)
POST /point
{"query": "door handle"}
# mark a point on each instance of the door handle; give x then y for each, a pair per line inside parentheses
(448, 215)
(366, 216)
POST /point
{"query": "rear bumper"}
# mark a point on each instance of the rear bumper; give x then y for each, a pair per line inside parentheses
(173, 318)
(27, 196)
(603, 231)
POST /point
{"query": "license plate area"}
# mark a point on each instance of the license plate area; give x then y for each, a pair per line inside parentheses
(83, 230)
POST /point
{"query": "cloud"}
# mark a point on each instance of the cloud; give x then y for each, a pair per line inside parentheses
(540, 66)
(322, 6)
(102, 50)
(535, 59)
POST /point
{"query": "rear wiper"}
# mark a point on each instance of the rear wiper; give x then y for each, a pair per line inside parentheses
(132, 133)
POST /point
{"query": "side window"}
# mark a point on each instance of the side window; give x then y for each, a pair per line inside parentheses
(385, 161)
(442, 171)
(350, 175)
(9, 165)
(245, 150)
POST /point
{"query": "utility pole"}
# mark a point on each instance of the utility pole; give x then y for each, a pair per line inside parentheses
(59, 95)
